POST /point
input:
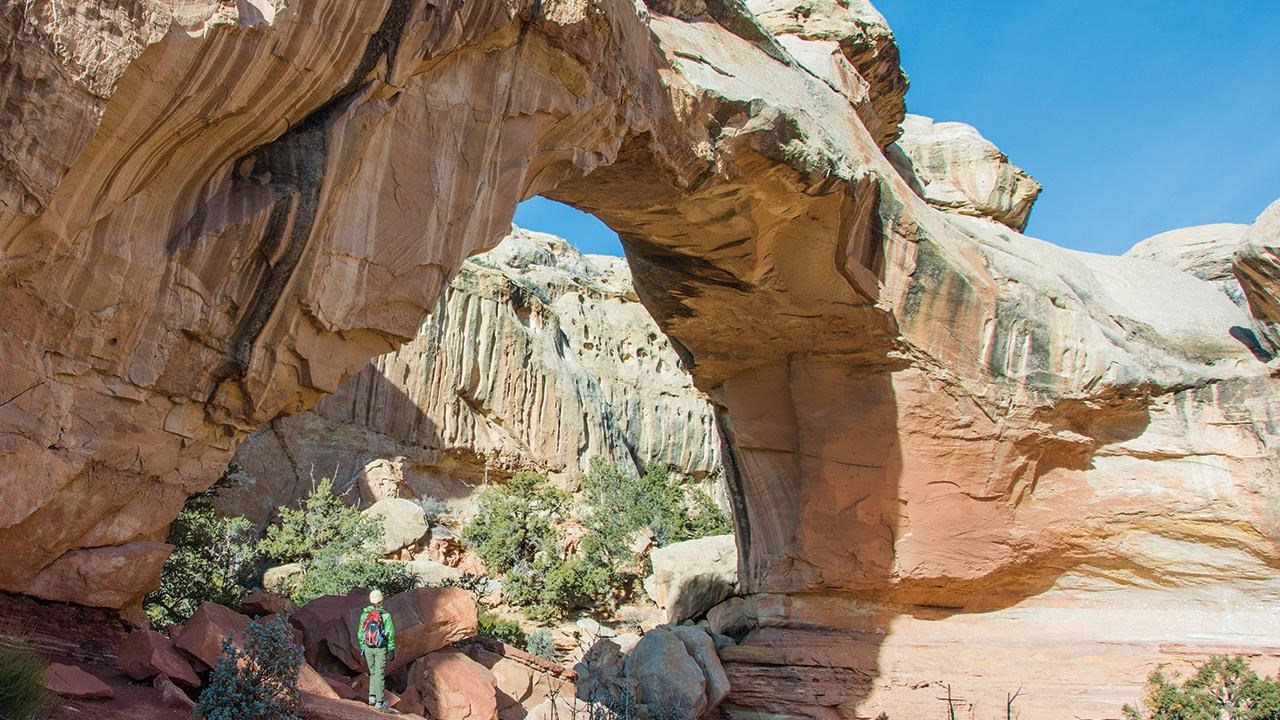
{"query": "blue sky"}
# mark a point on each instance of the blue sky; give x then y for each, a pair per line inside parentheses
(1138, 116)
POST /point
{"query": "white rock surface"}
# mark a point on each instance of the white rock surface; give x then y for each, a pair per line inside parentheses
(691, 577)
(537, 357)
(404, 524)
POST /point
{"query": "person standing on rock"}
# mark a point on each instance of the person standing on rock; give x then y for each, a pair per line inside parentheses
(377, 637)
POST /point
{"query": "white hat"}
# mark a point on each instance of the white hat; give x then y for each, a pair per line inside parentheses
(375, 596)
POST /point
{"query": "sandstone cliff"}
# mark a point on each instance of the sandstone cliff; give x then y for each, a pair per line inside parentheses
(535, 358)
(955, 453)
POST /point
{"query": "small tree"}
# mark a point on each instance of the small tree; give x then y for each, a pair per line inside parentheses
(213, 560)
(339, 548)
(1224, 688)
(259, 682)
(624, 502)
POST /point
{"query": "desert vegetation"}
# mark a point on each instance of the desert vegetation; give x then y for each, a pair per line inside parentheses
(216, 559)
(519, 533)
(258, 682)
(1224, 688)
(22, 694)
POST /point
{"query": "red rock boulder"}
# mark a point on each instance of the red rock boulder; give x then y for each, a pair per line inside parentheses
(170, 694)
(426, 620)
(318, 620)
(258, 604)
(312, 682)
(203, 634)
(70, 681)
(448, 685)
(144, 654)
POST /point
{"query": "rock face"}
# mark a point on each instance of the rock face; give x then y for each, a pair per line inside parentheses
(960, 171)
(691, 577)
(537, 357)
(1257, 267)
(948, 445)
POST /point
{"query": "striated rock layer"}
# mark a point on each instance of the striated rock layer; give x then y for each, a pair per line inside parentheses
(213, 214)
(535, 358)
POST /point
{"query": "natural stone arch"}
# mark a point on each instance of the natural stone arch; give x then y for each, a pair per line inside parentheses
(931, 414)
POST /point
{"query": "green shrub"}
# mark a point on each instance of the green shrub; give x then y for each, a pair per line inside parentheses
(333, 573)
(322, 523)
(514, 526)
(539, 643)
(624, 502)
(259, 682)
(213, 560)
(22, 692)
(500, 629)
(339, 548)
(1224, 687)
(514, 532)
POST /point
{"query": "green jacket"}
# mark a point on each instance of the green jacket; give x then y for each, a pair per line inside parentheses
(387, 624)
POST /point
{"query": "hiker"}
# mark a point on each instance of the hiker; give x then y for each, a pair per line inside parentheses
(377, 638)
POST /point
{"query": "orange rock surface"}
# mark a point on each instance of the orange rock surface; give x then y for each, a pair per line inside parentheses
(956, 454)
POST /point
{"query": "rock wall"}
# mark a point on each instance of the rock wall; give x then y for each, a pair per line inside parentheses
(933, 424)
(535, 358)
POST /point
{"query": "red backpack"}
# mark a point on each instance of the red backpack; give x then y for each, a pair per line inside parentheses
(373, 631)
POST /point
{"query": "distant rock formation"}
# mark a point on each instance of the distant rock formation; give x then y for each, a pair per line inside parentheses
(536, 358)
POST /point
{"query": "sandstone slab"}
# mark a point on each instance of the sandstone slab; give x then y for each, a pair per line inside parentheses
(202, 636)
(70, 681)
(144, 654)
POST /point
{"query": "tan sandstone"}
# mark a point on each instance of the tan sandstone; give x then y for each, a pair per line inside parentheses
(947, 445)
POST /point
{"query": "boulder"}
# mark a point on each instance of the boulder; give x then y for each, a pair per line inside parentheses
(281, 578)
(202, 635)
(567, 708)
(144, 654)
(172, 696)
(962, 172)
(702, 648)
(602, 672)
(315, 707)
(448, 549)
(430, 573)
(734, 617)
(115, 577)
(312, 682)
(1257, 266)
(70, 681)
(426, 620)
(404, 524)
(324, 618)
(382, 479)
(690, 577)
(258, 604)
(523, 680)
(448, 685)
(666, 679)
